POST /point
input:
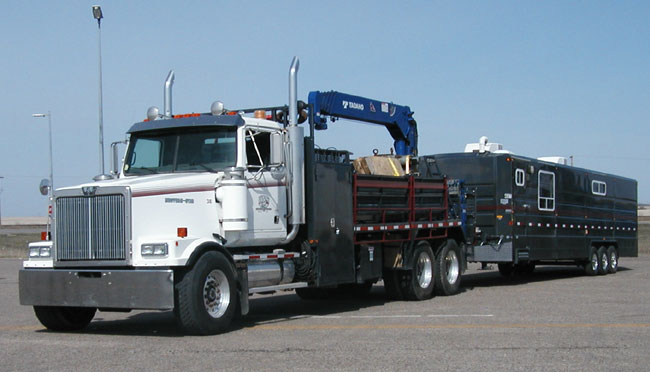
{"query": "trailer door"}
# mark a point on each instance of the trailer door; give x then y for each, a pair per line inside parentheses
(522, 202)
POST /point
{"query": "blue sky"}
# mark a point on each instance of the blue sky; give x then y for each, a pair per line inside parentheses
(552, 78)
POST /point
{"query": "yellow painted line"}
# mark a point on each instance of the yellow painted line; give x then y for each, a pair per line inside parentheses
(21, 328)
(445, 326)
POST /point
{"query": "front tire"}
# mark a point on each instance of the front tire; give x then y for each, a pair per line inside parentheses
(65, 319)
(207, 296)
(448, 269)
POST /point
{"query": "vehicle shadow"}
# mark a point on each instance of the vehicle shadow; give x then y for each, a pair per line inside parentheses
(287, 306)
(492, 278)
(264, 309)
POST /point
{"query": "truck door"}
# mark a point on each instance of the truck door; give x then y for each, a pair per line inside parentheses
(266, 187)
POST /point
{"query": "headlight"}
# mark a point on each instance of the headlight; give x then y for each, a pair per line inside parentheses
(159, 249)
(39, 251)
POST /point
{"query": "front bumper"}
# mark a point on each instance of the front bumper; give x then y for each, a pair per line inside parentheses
(118, 289)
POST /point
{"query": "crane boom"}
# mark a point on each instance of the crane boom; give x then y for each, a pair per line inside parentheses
(397, 119)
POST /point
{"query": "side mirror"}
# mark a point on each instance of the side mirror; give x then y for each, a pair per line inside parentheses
(277, 149)
(44, 187)
(115, 161)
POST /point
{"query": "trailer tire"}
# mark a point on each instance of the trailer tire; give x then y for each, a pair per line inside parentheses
(603, 261)
(65, 319)
(421, 279)
(206, 296)
(612, 253)
(448, 269)
(592, 265)
(393, 284)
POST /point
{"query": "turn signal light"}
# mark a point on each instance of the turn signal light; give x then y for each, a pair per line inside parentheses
(182, 232)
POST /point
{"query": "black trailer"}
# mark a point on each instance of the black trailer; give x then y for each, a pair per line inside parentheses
(523, 212)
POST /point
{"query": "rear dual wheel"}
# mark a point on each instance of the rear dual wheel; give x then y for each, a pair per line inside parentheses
(448, 269)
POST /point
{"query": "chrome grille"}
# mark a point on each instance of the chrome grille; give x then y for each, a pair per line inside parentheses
(91, 228)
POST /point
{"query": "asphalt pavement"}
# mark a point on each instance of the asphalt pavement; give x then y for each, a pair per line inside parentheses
(556, 320)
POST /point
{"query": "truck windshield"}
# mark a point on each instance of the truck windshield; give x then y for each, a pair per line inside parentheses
(181, 150)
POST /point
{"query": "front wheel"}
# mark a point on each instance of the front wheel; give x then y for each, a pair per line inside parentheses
(448, 269)
(206, 296)
(60, 318)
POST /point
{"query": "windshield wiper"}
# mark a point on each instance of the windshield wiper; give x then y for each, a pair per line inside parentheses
(150, 170)
(207, 168)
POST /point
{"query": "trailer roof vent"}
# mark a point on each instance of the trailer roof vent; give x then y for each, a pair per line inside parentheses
(484, 146)
(555, 159)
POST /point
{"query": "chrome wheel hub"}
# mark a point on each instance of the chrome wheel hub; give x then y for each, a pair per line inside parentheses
(216, 293)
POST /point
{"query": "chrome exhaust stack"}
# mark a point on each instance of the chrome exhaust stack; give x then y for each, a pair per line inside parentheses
(168, 95)
(297, 150)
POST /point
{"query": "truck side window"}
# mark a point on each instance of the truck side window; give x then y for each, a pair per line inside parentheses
(258, 148)
(520, 177)
(546, 191)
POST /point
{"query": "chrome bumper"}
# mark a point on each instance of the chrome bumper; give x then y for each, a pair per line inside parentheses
(118, 289)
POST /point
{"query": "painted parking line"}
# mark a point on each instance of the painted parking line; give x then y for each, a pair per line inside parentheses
(279, 327)
(395, 316)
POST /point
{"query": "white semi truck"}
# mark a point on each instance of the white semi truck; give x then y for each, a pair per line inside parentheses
(210, 208)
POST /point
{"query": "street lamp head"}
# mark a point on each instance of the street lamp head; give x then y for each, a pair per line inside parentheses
(97, 12)
(39, 115)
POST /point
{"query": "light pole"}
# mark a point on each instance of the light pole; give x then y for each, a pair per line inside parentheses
(98, 15)
(1, 178)
(51, 188)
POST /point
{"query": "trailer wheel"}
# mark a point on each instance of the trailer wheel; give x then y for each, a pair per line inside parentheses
(448, 269)
(591, 266)
(421, 280)
(65, 319)
(603, 259)
(392, 284)
(612, 253)
(207, 296)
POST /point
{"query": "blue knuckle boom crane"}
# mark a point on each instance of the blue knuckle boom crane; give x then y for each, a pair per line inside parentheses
(397, 119)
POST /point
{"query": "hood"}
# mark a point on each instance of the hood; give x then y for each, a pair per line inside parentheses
(158, 183)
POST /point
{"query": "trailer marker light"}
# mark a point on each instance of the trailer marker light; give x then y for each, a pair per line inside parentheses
(182, 232)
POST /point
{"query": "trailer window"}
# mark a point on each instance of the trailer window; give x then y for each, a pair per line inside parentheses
(520, 177)
(546, 191)
(598, 188)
